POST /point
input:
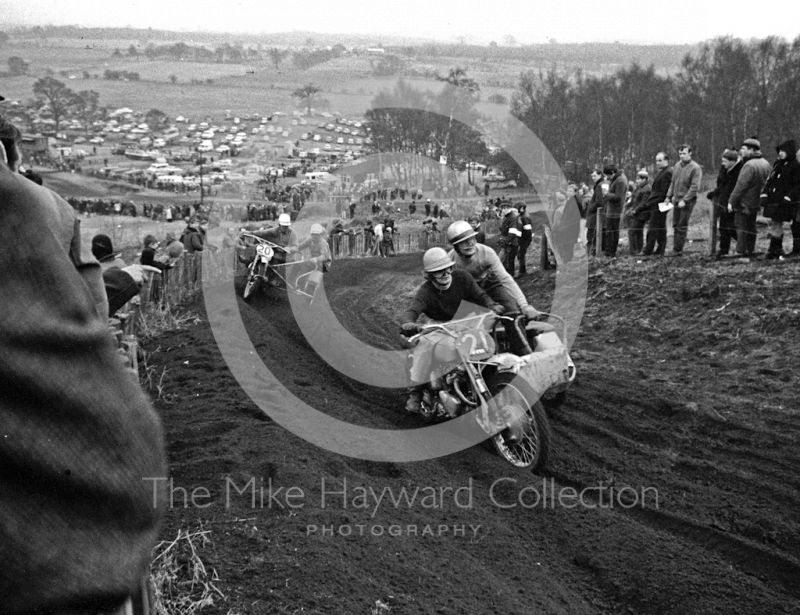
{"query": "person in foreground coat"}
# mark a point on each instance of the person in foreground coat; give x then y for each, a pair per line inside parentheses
(78, 517)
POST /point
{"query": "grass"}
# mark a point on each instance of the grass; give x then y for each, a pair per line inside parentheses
(181, 582)
(156, 320)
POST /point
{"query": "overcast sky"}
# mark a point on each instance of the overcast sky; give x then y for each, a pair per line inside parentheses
(477, 21)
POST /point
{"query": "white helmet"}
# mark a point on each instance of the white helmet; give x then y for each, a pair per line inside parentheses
(436, 259)
(285, 220)
(459, 231)
(316, 229)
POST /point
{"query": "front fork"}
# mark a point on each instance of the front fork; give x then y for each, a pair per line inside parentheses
(484, 397)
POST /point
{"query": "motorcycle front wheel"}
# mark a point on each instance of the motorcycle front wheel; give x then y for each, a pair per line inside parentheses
(525, 442)
(254, 280)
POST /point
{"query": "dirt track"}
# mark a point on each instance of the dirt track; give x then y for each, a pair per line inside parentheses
(685, 387)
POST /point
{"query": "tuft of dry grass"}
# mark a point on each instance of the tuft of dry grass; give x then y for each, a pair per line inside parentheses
(156, 320)
(181, 583)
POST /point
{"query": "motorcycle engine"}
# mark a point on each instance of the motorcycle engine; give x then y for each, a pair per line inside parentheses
(450, 403)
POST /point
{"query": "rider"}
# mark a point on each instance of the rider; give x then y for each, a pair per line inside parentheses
(484, 265)
(318, 248)
(319, 257)
(282, 235)
(439, 298)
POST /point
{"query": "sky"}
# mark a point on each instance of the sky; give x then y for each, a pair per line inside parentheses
(479, 22)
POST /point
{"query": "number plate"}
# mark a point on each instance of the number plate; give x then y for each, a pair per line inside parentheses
(475, 345)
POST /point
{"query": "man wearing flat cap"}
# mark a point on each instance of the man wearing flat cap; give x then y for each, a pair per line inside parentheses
(745, 200)
(637, 214)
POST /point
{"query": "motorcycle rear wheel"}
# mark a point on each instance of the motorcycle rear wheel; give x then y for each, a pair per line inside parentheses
(254, 280)
(526, 443)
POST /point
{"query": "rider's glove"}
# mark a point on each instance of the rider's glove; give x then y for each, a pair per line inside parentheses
(530, 312)
(409, 328)
(498, 309)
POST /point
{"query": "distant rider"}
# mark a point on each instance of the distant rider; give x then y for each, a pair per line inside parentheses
(282, 235)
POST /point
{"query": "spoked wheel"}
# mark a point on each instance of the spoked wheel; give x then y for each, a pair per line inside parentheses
(254, 280)
(525, 442)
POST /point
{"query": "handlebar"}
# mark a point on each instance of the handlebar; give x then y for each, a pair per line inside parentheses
(262, 240)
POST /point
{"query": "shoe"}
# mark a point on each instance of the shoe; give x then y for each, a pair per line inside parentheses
(413, 403)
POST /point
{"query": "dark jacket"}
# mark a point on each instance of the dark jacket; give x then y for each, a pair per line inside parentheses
(442, 305)
(595, 204)
(615, 198)
(510, 229)
(658, 191)
(192, 240)
(527, 229)
(783, 185)
(726, 182)
(120, 288)
(640, 196)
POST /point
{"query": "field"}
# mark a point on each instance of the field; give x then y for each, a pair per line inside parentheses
(256, 86)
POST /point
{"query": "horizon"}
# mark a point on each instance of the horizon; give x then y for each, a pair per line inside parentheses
(563, 23)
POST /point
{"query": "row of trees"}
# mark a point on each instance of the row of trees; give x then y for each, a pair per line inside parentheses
(54, 100)
(423, 125)
(727, 91)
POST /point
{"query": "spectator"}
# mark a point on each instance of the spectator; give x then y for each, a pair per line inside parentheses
(78, 522)
(510, 234)
(174, 247)
(595, 205)
(726, 181)
(781, 195)
(387, 243)
(103, 251)
(525, 239)
(636, 221)
(192, 238)
(475, 223)
(377, 246)
(149, 251)
(613, 202)
(686, 178)
(745, 198)
(656, 242)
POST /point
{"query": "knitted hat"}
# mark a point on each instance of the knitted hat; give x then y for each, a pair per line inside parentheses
(752, 143)
(730, 154)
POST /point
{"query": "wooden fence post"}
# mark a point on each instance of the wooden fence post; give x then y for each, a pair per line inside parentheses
(544, 258)
(598, 240)
(714, 215)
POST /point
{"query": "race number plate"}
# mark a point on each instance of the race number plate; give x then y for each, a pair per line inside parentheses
(476, 345)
